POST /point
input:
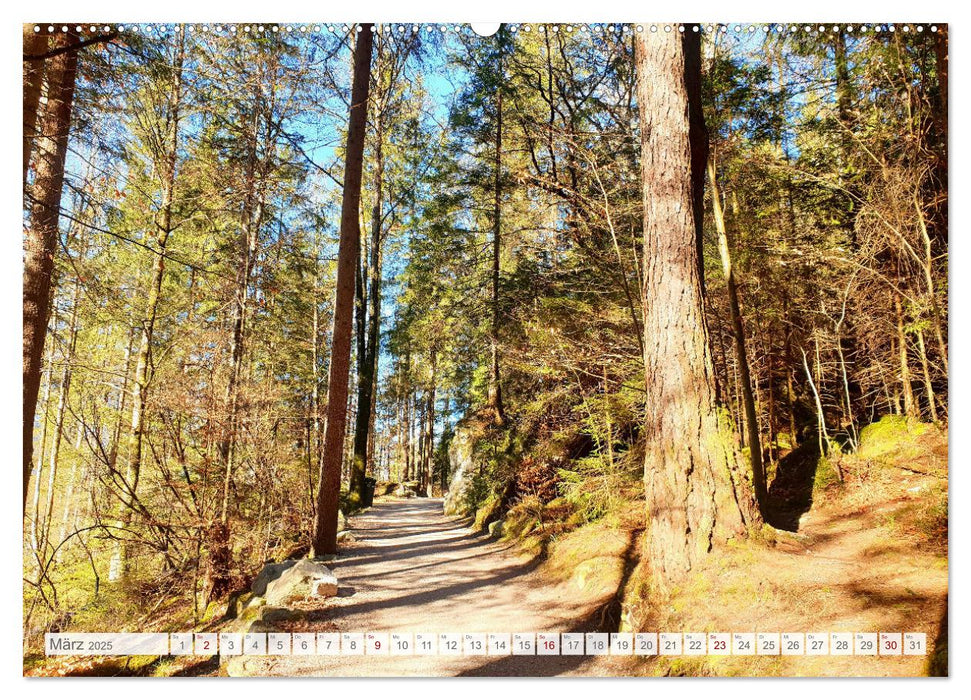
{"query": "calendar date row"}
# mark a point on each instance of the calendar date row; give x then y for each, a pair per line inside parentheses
(490, 644)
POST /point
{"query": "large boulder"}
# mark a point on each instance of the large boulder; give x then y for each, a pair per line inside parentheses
(407, 490)
(291, 580)
(270, 572)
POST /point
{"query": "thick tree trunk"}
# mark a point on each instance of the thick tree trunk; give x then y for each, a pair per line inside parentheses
(35, 44)
(41, 236)
(328, 491)
(696, 495)
(748, 401)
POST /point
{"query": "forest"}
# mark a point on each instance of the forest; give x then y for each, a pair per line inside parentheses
(646, 302)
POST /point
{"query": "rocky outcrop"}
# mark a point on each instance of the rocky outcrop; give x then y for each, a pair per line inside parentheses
(461, 458)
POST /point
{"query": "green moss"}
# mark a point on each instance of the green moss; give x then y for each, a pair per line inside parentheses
(889, 431)
(486, 512)
(892, 438)
(826, 474)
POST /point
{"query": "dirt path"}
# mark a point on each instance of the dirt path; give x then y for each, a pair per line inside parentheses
(412, 568)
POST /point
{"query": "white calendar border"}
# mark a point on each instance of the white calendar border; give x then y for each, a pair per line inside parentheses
(437, 10)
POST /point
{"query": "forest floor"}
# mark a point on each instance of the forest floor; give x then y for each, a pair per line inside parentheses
(865, 554)
(856, 564)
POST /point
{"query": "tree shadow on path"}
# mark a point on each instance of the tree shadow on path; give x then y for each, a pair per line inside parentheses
(791, 491)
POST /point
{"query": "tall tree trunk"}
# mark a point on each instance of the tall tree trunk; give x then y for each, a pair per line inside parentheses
(371, 344)
(62, 402)
(251, 221)
(696, 495)
(35, 44)
(495, 384)
(822, 434)
(328, 491)
(406, 410)
(41, 236)
(790, 362)
(72, 481)
(399, 441)
(35, 521)
(446, 412)
(314, 446)
(147, 326)
(430, 419)
(421, 472)
(416, 428)
(748, 401)
(249, 240)
(772, 443)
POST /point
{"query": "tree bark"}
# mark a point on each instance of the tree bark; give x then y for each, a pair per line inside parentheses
(42, 233)
(696, 496)
(35, 44)
(328, 492)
